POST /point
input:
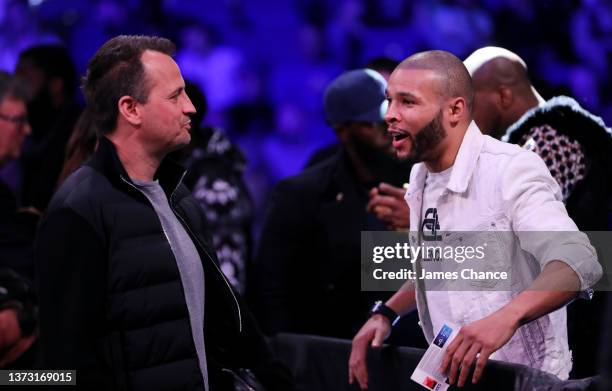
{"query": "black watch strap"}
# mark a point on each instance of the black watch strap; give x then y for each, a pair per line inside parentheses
(382, 309)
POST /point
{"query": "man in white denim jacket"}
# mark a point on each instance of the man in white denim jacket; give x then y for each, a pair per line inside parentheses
(492, 186)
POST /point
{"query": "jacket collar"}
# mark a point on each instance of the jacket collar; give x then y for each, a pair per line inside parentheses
(466, 159)
(106, 160)
(463, 167)
(549, 107)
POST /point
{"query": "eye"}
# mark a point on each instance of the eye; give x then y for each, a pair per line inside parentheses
(176, 94)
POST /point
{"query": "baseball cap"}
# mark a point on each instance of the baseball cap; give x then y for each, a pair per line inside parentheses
(357, 95)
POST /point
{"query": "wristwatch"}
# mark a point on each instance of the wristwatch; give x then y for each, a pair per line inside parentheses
(384, 310)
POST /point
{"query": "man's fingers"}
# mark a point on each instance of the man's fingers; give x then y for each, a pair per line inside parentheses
(385, 200)
(450, 350)
(480, 364)
(357, 361)
(358, 371)
(370, 205)
(396, 192)
(382, 211)
(372, 195)
(457, 360)
(467, 362)
(362, 376)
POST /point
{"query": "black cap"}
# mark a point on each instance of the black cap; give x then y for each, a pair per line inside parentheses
(357, 95)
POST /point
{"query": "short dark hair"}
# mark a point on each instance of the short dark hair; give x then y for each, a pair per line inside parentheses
(11, 86)
(53, 61)
(116, 70)
(456, 80)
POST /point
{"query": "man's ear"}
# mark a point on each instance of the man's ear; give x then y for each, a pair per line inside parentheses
(457, 110)
(506, 97)
(129, 109)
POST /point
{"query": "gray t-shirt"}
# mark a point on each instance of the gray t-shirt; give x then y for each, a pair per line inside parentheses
(440, 309)
(188, 262)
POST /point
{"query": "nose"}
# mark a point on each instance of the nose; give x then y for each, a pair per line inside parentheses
(391, 116)
(188, 107)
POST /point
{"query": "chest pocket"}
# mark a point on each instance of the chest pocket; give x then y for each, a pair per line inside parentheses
(480, 253)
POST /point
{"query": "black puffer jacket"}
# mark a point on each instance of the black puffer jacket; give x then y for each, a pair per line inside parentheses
(111, 299)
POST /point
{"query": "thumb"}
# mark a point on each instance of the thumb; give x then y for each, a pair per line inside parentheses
(379, 337)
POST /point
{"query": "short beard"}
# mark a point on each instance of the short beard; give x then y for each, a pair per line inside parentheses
(426, 139)
(383, 164)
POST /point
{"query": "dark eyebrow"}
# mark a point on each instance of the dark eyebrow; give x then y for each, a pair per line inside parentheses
(404, 95)
(408, 95)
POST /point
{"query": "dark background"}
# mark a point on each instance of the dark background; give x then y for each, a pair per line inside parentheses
(264, 64)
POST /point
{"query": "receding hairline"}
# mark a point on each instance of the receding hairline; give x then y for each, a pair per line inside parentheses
(149, 67)
(454, 78)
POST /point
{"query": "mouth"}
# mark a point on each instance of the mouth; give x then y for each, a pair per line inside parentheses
(403, 141)
(397, 135)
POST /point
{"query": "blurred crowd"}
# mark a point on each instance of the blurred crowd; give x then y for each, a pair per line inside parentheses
(263, 65)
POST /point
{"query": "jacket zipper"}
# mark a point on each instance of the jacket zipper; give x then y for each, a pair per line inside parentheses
(198, 242)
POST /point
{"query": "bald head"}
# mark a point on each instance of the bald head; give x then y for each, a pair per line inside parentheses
(454, 78)
(503, 92)
(493, 66)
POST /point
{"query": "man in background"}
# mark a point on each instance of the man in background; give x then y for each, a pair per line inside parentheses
(17, 225)
(51, 80)
(306, 277)
(17, 303)
(575, 145)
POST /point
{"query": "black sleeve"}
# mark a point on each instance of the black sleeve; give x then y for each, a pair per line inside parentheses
(279, 248)
(70, 270)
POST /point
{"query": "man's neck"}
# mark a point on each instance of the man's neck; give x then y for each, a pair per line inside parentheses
(524, 104)
(137, 161)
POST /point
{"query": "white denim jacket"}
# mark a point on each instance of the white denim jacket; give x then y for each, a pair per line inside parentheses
(493, 187)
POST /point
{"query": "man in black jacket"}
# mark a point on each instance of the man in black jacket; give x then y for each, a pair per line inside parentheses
(130, 292)
(306, 277)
